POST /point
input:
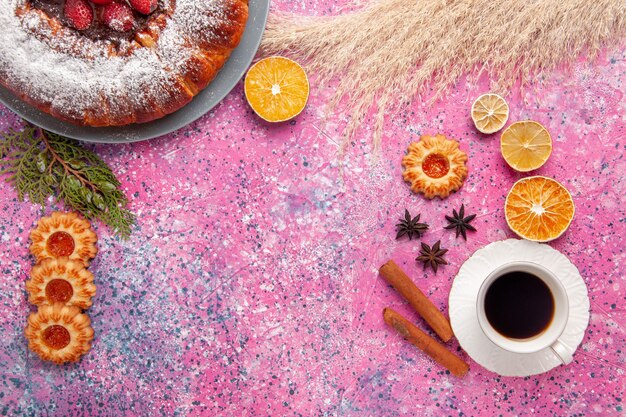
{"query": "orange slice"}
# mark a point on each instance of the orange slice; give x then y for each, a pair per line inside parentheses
(490, 113)
(526, 145)
(276, 88)
(539, 209)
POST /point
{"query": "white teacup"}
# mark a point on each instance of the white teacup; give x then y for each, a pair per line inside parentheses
(549, 337)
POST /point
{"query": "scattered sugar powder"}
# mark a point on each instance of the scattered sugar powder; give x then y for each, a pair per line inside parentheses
(73, 74)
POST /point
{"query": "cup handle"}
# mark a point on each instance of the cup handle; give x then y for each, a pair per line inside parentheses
(562, 352)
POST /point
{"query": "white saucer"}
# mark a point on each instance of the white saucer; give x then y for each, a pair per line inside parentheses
(464, 320)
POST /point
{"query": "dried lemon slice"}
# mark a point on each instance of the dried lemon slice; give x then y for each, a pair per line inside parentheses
(490, 113)
(526, 145)
(539, 208)
(276, 88)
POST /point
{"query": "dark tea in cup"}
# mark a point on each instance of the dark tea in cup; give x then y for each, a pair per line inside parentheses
(519, 305)
(523, 308)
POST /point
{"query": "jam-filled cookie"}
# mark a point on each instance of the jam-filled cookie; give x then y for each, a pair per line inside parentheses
(63, 235)
(435, 166)
(59, 333)
(61, 281)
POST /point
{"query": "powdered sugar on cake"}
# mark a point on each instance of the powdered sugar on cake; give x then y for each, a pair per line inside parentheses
(72, 74)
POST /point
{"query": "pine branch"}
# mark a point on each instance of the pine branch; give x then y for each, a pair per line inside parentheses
(41, 164)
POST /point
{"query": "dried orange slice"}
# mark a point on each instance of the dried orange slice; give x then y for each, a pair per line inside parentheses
(526, 145)
(276, 88)
(490, 113)
(539, 208)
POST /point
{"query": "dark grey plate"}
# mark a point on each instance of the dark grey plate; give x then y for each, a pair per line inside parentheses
(226, 79)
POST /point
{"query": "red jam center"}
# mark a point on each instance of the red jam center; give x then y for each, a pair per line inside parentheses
(99, 28)
(59, 290)
(436, 165)
(60, 244)
(56, 337)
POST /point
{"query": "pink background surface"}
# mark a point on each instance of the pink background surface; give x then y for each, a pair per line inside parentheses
(250, 284)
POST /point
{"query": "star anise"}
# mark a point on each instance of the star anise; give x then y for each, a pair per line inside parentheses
(432, 257)
(410, 227)
(460, 222)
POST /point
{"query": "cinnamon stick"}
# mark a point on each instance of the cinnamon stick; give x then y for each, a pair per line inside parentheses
(430, 346)
(403, 284)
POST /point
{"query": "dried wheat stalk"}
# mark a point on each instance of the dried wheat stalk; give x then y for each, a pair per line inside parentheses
(390, 51)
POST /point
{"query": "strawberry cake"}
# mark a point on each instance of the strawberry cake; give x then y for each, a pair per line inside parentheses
(115, 62)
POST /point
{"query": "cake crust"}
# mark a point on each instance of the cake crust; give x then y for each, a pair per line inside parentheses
(97, 82)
